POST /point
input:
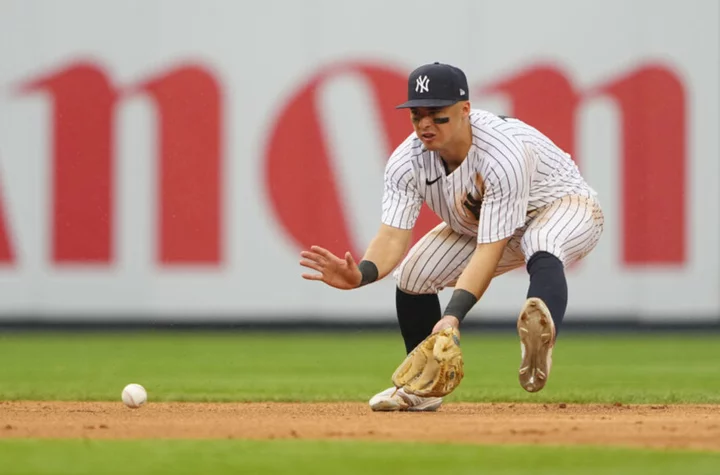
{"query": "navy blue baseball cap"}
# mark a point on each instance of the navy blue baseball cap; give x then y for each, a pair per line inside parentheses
(436, 85)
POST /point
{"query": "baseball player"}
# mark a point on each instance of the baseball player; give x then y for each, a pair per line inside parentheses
(507, 196)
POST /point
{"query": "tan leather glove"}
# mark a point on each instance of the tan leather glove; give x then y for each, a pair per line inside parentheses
(434, 368)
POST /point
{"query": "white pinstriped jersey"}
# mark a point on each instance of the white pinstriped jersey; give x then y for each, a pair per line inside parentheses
(511, 170)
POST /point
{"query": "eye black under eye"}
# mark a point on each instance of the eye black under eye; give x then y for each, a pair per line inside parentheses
(430, 112)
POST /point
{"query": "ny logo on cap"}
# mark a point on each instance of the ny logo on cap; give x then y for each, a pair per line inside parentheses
(422, 84)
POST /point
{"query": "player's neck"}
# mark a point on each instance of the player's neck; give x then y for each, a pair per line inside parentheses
(455, 153)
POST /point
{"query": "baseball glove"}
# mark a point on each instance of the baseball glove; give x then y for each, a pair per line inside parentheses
(434, 368)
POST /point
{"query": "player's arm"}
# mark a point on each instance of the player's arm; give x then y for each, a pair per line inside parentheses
(384, 253)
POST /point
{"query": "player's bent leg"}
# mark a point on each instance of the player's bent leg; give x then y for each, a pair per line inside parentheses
(559, 235)
(563, 232)
(394, 399)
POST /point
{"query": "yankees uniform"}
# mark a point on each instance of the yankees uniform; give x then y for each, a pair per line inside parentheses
(514, 182)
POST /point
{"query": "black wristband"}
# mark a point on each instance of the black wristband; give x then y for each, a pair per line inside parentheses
(460, 304)
(369, 272)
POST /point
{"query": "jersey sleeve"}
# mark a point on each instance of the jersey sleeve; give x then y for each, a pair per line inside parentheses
(401, 200)
(505, 201)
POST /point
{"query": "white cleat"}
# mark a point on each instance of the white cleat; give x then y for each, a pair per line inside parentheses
(393, 399)
(537, 337)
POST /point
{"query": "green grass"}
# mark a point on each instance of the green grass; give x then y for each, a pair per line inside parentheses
(246, 366)
(340, 457)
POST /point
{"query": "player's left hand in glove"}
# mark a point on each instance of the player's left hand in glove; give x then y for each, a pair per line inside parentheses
(434, 368)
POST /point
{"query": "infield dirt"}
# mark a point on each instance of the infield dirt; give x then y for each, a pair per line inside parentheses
(655, 426)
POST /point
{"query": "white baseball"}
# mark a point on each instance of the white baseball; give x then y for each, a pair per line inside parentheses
(134, 395)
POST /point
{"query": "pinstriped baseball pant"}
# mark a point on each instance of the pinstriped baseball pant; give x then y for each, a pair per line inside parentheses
(569, 228)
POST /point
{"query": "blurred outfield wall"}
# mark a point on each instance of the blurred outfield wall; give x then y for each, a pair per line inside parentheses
(167, 160)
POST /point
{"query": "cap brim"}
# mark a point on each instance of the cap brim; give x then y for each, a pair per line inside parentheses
(426, 103)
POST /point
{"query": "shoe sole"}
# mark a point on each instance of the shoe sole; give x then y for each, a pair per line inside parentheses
(427, 406)
(391, 404)
(387, 405)
(536, 331)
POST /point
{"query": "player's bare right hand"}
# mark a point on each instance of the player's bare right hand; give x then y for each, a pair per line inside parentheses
(334, 271)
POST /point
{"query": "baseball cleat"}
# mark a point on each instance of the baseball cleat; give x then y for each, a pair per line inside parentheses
(537, 337)
(394, 399)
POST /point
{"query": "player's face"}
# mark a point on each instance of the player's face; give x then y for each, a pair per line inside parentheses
(436, 127)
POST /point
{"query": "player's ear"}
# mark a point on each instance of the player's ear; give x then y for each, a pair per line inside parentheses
(466, 109)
